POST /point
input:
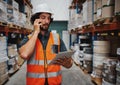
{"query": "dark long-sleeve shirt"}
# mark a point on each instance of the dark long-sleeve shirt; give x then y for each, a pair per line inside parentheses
(44, 40)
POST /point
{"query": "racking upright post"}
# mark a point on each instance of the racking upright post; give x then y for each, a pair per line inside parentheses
(70, 41)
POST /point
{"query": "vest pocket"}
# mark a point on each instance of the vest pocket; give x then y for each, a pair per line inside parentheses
(55, 49)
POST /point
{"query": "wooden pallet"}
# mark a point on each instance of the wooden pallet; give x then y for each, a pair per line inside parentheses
(14, 26)
(107, 20)
(102, 21)
(96, 81)
(3, 23)
(116, 18)
(4, 79)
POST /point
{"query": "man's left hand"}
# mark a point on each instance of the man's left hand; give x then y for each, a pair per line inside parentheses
(66, 62)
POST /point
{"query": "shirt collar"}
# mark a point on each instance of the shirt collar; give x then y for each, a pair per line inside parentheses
(46, 35)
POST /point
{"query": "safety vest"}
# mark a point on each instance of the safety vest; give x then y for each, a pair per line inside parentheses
(36, 65)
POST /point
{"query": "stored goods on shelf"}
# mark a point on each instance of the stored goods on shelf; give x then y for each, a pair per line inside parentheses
(98, 59)
(15, 5)
(106, 83)
(118, 73)
(99, 10)
(22, 19)
(76, 54)
(3, 14)
(108, 2)
(87, 63)
(109, 70)
(99, 3)
(114, 44)
(28, 12)
(117, 7)
(3, 49)
(12, 65)
(3, 78)
(3, 6)
(12, 51)
(99, 56)
(10, 17)
(107, 11)
(16, 17)
(87, 12)
(84, 39)
(3, 69)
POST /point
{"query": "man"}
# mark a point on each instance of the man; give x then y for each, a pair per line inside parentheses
(40, 48)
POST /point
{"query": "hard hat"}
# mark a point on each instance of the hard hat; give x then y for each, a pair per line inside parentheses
(42, 8)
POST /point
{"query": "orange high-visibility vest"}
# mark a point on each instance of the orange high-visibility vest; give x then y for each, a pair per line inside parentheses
(36, 67)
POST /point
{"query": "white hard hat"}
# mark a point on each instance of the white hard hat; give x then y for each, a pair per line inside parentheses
(42, 8)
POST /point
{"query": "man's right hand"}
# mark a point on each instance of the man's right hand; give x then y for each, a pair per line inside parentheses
(37, 24)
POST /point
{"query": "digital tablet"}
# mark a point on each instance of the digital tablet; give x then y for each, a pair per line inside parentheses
(62, 55)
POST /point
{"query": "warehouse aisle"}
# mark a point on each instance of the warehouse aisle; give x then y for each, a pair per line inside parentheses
(75, 76)
(72, 76)
(19, 78)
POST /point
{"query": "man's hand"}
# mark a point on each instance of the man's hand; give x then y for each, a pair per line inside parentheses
(37, 25)
(66, 62)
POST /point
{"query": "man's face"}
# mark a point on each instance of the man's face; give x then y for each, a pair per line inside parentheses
(45, 19)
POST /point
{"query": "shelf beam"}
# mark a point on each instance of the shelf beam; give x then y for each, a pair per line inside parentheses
(101, 28)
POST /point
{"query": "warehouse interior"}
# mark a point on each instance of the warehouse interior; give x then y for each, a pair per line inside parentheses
(90, 28)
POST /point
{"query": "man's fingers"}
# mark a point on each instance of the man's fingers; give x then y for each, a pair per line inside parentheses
(57, 62)
(60, 60)
(37, 21)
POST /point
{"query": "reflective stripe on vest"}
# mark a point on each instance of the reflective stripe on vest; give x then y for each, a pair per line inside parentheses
(42, 75)
(39, 62)
(55, 38)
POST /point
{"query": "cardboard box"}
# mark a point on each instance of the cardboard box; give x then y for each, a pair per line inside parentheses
(108, 2)
(117, 6)
(15, 5)
(107, 11)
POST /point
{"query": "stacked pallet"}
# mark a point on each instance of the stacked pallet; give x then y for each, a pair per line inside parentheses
(13, 58)
(3, 60)
(3, 15)
(87, 12)
(16, 14)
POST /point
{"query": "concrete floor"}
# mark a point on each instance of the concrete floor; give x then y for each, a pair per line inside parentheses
(72, 76)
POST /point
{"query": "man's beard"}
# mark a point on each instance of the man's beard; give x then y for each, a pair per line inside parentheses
(44, 28)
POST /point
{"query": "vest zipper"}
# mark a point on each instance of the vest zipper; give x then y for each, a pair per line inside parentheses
(45, 68)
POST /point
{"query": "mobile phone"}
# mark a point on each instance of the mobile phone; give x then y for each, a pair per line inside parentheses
(40, 25)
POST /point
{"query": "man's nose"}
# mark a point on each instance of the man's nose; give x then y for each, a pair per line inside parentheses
(47, 20)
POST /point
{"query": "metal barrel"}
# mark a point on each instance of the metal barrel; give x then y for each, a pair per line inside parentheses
(101, 50)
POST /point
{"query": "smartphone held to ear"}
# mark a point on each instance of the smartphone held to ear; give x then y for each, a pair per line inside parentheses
(40, 25)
